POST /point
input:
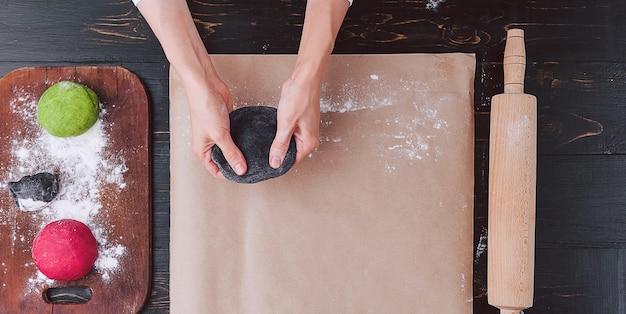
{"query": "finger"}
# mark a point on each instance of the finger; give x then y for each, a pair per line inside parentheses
(233, 156)
(305, 147)
(279, 147)
(203, 154)
(212, 167)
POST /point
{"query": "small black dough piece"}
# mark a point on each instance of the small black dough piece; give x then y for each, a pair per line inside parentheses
(41, 187)
(253, 130)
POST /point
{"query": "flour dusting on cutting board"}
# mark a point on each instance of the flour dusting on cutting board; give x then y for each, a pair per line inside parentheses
(84, 165)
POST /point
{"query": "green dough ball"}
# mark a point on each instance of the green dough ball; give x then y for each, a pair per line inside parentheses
(68, 109)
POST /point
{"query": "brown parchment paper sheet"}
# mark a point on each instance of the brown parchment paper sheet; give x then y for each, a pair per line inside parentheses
(378, 220)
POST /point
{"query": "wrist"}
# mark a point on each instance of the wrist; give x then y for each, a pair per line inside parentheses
(309, 71)
(199, 77)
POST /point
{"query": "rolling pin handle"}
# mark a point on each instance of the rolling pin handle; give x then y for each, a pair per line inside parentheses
(514, 62)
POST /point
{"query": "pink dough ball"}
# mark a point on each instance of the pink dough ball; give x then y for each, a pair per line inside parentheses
(65, 250)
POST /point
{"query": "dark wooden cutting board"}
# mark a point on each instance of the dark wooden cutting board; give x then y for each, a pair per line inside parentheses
(125, 213)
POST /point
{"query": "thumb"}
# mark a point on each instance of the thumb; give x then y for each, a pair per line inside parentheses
(279, 147)
(233, 156)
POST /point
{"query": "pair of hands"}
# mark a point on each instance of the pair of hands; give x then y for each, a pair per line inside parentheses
(298, 115)
(298, 108)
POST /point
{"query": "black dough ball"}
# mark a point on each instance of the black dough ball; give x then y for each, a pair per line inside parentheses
(253, 130)
(42, 187)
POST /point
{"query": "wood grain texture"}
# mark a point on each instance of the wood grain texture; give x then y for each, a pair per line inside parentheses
(576, 67)
(125, 214)
(512, 186)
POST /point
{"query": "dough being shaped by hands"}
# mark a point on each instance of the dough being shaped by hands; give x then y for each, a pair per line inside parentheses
(253, 130)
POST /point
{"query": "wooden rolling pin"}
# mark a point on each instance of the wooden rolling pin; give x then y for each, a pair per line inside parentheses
(512, 186)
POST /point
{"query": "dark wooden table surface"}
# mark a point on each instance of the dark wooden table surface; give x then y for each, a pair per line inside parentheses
(576, 68)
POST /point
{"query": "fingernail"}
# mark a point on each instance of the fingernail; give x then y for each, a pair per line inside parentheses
(239, 169)
(275, 162)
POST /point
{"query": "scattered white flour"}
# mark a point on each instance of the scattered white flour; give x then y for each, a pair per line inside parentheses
(108, 260)
(434, 4)
(517, 130)
(409, 140)
(482, 244)
(38, 279)
(356, 95)
(411, 137)
(84, 166)
(348, 104)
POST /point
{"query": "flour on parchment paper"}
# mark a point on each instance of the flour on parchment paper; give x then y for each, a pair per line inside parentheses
(345, 98)
(84, 165)
(410, 141)
(407, 133)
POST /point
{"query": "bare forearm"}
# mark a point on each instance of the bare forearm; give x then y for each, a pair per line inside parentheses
(299, 106)
(322, 21)
(209, 98)
(173, 25)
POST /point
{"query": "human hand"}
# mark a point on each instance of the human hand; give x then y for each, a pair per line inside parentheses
(299, 106)
(298, 115)
(210, 101)
(209, 108)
